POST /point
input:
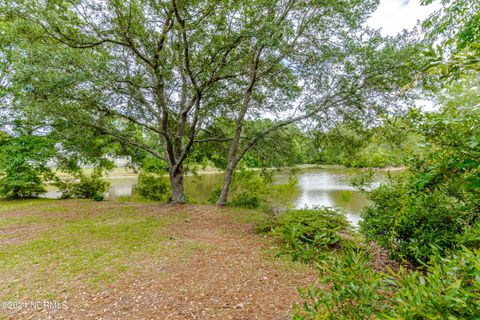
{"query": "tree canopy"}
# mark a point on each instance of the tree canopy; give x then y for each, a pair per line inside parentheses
(454, 37)
(154, 77)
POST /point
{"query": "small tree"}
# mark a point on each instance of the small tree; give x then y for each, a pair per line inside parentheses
(23, 163)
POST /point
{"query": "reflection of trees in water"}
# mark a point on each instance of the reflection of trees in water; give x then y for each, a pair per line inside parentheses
(328, 187)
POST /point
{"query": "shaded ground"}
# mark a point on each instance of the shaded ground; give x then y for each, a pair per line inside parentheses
(115, 260)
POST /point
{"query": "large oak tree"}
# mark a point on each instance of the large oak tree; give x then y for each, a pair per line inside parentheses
(154, 74)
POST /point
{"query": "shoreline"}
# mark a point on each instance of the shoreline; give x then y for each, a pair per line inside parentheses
(115, 174)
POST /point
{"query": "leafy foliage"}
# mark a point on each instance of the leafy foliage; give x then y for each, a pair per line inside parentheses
(356, 291)
(292, 150)
(83, 186)
(253, 189)
(153, 84)
(456, 27)
(438, 200)
(307, 234)
(152, 186)
(23, 163)
(448, 289)
(355, 144)
(248, 189)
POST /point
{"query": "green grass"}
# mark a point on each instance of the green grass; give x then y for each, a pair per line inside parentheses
(10, 205)
(97, 246)
(242, 215)
(137, 199)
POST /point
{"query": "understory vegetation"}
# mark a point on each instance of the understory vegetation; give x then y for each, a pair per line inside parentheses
(82, 186)
(153, 187)
(427, 219)
(435, 204)
(309, 234)
(257, 190)
(448, 288)
(355, 285)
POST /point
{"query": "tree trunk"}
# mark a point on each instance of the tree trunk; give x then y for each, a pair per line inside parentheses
(176, 183)
(227, 179)
(232, 153)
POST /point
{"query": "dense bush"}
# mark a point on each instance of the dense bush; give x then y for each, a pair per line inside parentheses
(436, 203)
(24, 183)
(214, 195)
(355, 291)
(248, 189)
(253, 189)
(448, 289)
(308, 234)
(153, 187)
(84, 187)
(410, 224)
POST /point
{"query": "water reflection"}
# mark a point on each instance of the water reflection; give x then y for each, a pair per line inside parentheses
(121, 187)
(198, 188)
(330, 187)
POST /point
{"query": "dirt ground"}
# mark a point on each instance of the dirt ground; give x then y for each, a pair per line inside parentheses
(207, 263)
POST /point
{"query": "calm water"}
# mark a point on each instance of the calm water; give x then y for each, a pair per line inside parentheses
(330, 187)
(317, 187)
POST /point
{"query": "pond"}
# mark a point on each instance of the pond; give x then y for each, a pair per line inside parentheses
(317, 187)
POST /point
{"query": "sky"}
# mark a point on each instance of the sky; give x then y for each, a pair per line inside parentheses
(392, 16)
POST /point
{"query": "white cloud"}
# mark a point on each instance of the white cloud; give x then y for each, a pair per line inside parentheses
(392, 16)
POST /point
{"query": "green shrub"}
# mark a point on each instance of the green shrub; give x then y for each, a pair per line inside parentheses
(98, 197)
(85, 187)
(410, 224)
(436, 203)
(307, 234)
(214, 195)
(248, 189)
(471, 236)
(153, 187)
(252, 189)
(449, 288)
(355, 291)
(23, 163)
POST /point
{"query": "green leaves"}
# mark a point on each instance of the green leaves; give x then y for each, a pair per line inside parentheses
(457, 28)
(449, 288)
(308, 234)
(153, 187)
(83, 186)
(352, 290)
(23, 163)
(437, 200)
